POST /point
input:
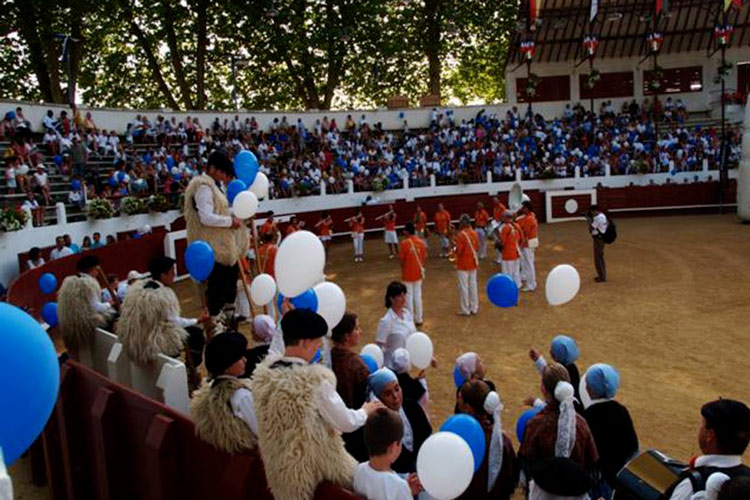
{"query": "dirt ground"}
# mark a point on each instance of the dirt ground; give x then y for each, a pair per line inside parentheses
(674, 318)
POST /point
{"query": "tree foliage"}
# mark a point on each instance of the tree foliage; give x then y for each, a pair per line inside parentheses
(286, 54)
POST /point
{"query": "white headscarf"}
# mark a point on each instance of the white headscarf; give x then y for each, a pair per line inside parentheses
(401, 360)
(494, 406)
(466, 364)
(566, 422)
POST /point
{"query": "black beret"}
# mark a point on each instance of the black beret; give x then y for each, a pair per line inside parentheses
(87, 263)
(561, 476)
(300, 324)
(224, 350)
(160, 265)
(220, 160)
(727, 414)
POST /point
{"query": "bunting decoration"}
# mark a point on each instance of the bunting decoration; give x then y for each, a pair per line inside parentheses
(527, 49)
(590, 43)
(655, 40)
(534, 7)
(722, 34)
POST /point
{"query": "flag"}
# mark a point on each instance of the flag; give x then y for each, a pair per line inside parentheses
(534, 8)
(736, 3)
(594, 10)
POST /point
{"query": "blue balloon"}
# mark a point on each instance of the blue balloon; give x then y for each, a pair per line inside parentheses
(234, 188)
(372, 365)
(458, 377)
(199, 260)
(468, 428)
(121, 176)
(29, 380)
(11, 115)
(47, 283)
(57, 159)
(246, 167)
(305, 300)
(502, 290)
(112, 182)
(524, 419)
(176, 177)
(75, 185)
(170, 162)
(49, 313)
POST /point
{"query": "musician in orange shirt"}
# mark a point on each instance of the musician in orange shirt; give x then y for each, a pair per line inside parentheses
(267, 260)
(391, 237)
(467, 262)
(481, 219)
(324, 232)
(511, 237)
(357, 224)
(497, 209)
(269, 227)
(442, 227)
(526, 220)
(420, 224)
(294, 225)
(413, 254)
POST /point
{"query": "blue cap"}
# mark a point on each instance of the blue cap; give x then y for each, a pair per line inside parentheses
(380, 379)
(602, 381)
(565, 350)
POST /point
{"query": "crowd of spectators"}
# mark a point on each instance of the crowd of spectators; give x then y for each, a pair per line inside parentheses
(160, 156)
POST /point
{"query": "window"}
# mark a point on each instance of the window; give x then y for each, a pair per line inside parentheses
(675, 80)
(609, 85)
(550, 88)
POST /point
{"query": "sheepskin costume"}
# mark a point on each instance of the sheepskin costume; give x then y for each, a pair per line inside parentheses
(144, 327)
(225, 243)
(77, 317)
(214, 420)
(298, 447)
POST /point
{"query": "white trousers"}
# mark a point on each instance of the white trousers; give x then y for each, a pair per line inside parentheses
(528, 273)
(241, 305)
(359, 243)
(482, 243)
(414, 299)
(513, 269)
(467, 288)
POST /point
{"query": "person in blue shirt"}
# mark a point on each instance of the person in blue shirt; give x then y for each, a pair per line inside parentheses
(69, 243)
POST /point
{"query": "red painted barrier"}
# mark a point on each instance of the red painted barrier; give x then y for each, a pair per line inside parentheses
(107, 442)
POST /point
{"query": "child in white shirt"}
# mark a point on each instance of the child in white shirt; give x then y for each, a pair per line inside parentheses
(374, 479)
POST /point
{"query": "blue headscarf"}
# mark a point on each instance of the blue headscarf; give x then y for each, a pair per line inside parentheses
(565, 350)
(381, 378)
(602, 381)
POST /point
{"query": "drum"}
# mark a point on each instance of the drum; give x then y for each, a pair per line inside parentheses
(491, 229)
(649, 476)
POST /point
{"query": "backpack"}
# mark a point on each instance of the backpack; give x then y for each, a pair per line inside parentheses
(610, 235)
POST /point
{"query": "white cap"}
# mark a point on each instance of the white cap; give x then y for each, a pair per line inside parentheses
(135, 275)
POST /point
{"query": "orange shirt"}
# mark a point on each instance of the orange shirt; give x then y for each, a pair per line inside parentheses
(442, 221)
(420, 220)
(467, 243)
(412, 252)
(497, 212)
(290, 229)
(357, 225)
(325, 228)
(481, 217)
(511, 237)
(267, 258)
(529, 227)
(267, 227)
(390, 223)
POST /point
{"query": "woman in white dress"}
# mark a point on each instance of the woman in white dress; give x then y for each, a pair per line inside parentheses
(397, 324)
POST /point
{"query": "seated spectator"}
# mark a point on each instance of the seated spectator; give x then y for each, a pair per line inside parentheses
(35, 258)
(49, 123)
(69, 243)
(497, 476)
(37, 212)
(75, 196)
(10, 174)
(110, 239)
(97, 242)
(610, 424)
(41, 180)
(60, 249)
(723, 438)
(417, 428)
(374, 479)
(557, 430)
(86, 245)
(224, 411)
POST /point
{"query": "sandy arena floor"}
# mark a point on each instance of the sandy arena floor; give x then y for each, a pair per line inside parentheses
(674, 318)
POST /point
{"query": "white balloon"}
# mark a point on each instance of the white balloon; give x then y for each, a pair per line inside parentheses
(420, 349)
(260, 186)
(374, 352)
(262, 289)
(245, 205)
(445, 465)
(299, 263)
(563, 283)
(331, 302)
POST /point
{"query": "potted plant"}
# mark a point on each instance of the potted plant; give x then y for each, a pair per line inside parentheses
(100, 208)
(593, 78)
(532, 82)
(158, 203)
(722, 71)
(131, 205)
(548, 173)
(13, 219)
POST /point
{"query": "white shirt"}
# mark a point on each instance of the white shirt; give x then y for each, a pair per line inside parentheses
(599, 224)
(183, 322)
(393, 332)
(243, 407)
(41, 179)
(376, 485)
(332, 408)
(204, 202)
(62, 252)
(33, 265)
(122, 289)
(684, 490)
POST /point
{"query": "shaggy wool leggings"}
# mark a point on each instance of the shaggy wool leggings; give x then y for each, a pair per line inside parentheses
(196, 341)
(221, 288)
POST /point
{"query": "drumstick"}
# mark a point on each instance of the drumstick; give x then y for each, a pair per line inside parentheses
(384, 215)
(112, 293)
(243, 275)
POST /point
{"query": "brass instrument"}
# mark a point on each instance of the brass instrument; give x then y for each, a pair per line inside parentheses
(452, 257)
